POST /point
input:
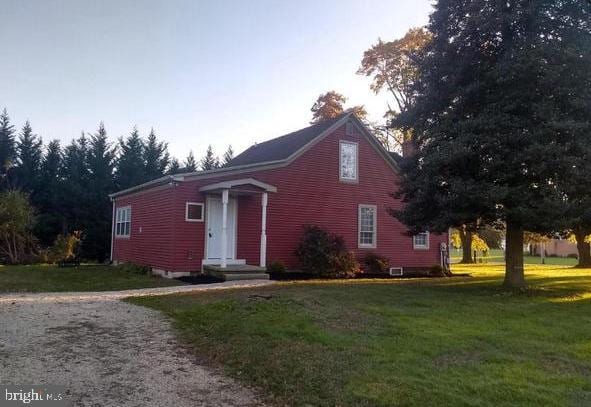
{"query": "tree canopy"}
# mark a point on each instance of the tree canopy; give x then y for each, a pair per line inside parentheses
(502, 90)
(330, 105)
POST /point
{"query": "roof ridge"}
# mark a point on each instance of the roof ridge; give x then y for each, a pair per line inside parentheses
(281, 147)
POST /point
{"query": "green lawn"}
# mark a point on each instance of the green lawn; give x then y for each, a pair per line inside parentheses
(438, 342)
(498, 256)
(83, 278)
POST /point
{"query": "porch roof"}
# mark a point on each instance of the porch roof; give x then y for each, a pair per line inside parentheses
(219, 186)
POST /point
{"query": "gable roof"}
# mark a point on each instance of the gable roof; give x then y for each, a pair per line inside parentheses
(277, 152)
(282, 147)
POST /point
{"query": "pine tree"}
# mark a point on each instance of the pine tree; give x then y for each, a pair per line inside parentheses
(228, 156)
(7, 147)
(174, 167)
(50, 220)
(495, 107)
(76, 188)
(190, 163)
(130, 165)
(101, 163)
(156, 157)
(28, 162)
(210, 161)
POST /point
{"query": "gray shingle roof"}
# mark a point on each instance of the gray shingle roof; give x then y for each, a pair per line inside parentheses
(282, 147)
(395, 156)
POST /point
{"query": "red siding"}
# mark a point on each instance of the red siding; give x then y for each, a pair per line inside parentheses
(151, 238)
(309, 192)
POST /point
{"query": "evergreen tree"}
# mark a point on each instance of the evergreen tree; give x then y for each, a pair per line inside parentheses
(7, 147)
(190, 163)
(228, 156)
(210, 161)
(130, 165)
(76, 187)
(101, 163)
(28, 162)
(156, 157)
(494, 112)
(174, 167)
(50, 219)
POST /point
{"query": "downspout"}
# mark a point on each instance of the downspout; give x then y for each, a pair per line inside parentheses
(112, 230)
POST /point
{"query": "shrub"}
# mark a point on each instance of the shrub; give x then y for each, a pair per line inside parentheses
(276, 267)
(325, 255)
(134, 268)
(572, 256)
(65, 248)
(17, 243)
(376, 264)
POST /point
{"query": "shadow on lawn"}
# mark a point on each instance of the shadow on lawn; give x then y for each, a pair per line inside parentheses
(565, 287)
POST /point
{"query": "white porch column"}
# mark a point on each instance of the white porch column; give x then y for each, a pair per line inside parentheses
(263, 261)
(224, 227)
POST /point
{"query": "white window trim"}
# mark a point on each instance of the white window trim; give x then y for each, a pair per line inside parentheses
(117, 222)
(341, 178)
(375, 227)
(421, 246)
(202, 205)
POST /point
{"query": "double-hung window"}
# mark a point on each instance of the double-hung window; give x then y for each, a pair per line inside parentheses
(421, 241)
(367, 226)
(348, 158)
(123, 222)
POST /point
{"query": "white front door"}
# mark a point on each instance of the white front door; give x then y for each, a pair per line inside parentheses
(214, 229)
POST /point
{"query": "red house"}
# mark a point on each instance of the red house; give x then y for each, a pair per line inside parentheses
(334, 174)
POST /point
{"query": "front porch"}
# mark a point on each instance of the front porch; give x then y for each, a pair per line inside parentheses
(222, 240)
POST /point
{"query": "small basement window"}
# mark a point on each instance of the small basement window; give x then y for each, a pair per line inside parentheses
(194, 212)
(421, 241)
(123, 222)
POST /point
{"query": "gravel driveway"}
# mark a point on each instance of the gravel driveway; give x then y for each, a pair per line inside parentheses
(107, 353)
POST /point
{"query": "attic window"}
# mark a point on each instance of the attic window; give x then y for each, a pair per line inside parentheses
(348, 161)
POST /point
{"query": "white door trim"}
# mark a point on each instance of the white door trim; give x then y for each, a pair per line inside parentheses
(233, 250)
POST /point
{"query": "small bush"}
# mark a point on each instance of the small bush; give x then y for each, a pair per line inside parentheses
(376, 264)
(65, 248)
(134, 268)
(572, 256)
(325, 255)
(276, 267)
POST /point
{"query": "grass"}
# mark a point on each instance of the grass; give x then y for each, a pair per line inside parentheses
(45, 278)
(498, 256)
(460, 341)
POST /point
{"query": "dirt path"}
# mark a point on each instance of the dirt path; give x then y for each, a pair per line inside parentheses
(106, 353)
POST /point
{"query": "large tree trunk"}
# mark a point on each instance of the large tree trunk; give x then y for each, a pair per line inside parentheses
(466, 238)
(584, 249)
(514, 277)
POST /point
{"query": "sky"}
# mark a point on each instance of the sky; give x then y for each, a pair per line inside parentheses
(198, 72)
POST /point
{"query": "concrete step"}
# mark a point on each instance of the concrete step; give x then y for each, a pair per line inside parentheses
(242, 272)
